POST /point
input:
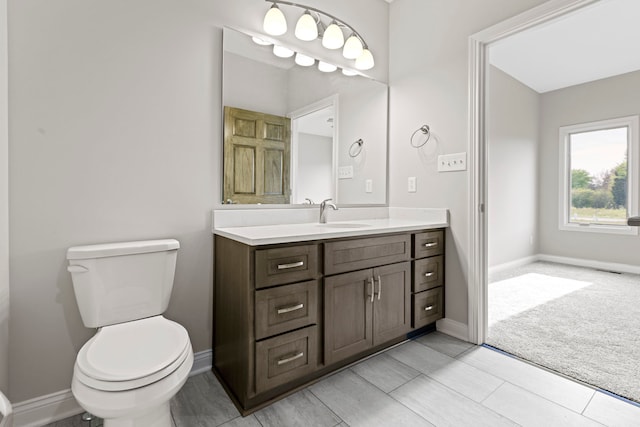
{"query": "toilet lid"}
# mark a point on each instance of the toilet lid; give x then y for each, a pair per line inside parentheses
(133, 352)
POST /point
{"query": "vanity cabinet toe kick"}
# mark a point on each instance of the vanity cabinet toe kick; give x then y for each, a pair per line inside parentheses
(287, 314)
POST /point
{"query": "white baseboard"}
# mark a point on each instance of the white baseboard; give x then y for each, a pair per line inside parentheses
(600, 265)
(453, 328)
(60, 405)
(513, 264)
(202, 362)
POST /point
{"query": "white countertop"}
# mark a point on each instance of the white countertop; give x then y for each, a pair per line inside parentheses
(299, 232)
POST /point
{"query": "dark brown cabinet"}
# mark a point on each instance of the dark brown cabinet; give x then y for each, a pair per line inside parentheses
(289, 313)
(366, 308)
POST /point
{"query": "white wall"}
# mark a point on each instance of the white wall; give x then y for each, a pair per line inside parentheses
(116, 134)
(599, 100)
(429, 85)
(4, 205)
(314, 171)
(512, 206)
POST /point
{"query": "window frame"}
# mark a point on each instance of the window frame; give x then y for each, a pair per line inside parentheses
(633, 149)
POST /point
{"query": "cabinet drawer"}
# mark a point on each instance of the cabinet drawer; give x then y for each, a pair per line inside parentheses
(429, 243)
(428, 273)
(427, 307)
(286, 357)
(286, 265)
(350, 255)
(285, 308)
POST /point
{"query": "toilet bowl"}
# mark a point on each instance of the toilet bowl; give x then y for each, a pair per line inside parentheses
(6, 413)
(138, 360)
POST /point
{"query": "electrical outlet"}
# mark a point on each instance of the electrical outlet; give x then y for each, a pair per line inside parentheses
(452, 162)
(345, 172)
(368, 186)
(411, 184)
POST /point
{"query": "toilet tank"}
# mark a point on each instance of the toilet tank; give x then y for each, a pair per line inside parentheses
(121, 282)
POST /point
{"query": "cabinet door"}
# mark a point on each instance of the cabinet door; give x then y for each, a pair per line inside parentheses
(392, 302)
(347, 314)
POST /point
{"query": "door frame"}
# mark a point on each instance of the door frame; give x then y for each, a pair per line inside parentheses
(479, 44)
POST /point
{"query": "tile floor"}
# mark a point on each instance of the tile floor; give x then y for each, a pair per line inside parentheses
(433, 380)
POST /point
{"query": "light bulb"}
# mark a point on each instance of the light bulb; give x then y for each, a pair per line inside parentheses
(325, 67)
(274, 21)
(352, 47)
(306, 28)
(304, 60)
(282, 52)
(333, 37)
(261, 42)
(349, 73)
(365, 61)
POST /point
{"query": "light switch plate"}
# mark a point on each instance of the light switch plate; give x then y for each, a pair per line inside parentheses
(368, 186)
(345, 172)
(452, 162)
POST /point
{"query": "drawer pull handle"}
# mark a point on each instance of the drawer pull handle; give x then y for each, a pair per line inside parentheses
(429, 308)
(431, 244)
(291, 265)
(379, 287)
(290, 359)
(429, 274)
(290, 309)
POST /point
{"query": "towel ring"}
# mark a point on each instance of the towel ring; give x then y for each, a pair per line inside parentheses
(425, 131)
(356, 148)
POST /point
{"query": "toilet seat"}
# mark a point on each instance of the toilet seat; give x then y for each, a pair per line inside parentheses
(132, 354)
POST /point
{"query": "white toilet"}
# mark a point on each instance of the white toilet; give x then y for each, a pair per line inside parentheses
(137, 361)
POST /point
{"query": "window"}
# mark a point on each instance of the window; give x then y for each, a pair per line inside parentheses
(598, 176)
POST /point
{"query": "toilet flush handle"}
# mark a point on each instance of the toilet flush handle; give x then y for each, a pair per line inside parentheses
(77, 269)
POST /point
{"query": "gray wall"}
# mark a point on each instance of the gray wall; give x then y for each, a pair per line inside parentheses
(512, 206)
(4, 206)
(428, 75)
(115, 134)
(599, 100)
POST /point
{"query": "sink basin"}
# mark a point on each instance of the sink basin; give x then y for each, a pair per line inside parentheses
(342, 225)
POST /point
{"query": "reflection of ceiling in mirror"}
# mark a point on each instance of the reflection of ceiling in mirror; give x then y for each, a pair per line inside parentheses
(595, 42)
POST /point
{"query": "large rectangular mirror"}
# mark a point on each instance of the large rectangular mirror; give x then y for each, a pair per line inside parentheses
(296, 135)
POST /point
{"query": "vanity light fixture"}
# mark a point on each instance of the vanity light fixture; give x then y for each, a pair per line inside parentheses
(282, 52)
(304, 60)
(349, 73)
(274, 21)
(325, 67)
(309, 28)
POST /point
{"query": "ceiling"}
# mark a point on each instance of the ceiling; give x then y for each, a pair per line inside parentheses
(598, 41)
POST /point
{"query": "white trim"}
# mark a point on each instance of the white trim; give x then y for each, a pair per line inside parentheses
(453, 328)
(478, 63)
(46, 409)
(564, 180)
(514, 264)
(591, 263)
(202, 362)
(59, 405)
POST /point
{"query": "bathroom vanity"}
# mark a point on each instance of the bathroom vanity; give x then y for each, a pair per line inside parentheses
(295, 302)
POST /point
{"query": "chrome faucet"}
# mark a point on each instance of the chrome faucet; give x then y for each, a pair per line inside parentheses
(323, 210)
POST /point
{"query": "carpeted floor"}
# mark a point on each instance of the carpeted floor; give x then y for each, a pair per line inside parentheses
(581, 322)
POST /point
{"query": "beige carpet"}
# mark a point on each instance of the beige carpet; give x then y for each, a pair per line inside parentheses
(580, 322)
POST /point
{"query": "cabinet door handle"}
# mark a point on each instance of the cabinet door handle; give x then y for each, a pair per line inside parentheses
(290, 309)
(373, 292)
(429, 308)
(290, 359)
(291, 265)
(431, 244)
(379, 287)
(429, 274)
